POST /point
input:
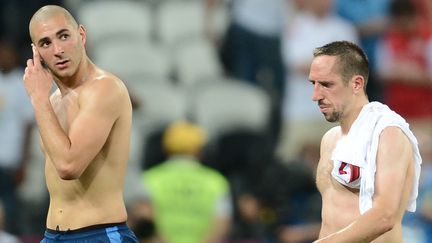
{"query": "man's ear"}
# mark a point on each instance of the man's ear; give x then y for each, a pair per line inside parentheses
(83, 34)
(358, 83)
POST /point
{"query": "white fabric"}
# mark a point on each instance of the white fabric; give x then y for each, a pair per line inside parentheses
(15, 112)
(347, 173)
(360, 147)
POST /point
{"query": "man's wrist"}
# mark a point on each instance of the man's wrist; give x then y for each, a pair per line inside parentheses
(39, 102)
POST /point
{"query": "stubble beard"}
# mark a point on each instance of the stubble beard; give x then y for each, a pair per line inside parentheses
(333, 117)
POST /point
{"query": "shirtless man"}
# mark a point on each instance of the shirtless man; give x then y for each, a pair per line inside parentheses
(85, 129)
(339, 74)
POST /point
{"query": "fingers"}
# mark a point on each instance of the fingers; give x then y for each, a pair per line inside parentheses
(27, 69)
(30, 63)
(25, 74)
(36, 57)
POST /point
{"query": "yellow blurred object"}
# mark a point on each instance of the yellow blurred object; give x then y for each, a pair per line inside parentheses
(184, 138)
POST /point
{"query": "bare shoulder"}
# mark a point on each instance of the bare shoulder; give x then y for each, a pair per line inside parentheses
(330, 138)
(394, 132)
(105, 90)
(393, 139)
(103, 81)
(105, 85)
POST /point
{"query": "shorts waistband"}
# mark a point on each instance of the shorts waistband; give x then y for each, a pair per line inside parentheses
(87, 228)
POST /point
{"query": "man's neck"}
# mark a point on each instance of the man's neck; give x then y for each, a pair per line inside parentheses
(354, 113)
(81, 76)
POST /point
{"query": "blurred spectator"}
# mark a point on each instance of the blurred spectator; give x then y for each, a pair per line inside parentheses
(5, 237)
(405, 62)
(405, 67)
(291, 192)
(250, 223)
(314, 25)
(274, 202)
(191, 202)
(370, 17)
(145, 231)
(251, 46)
(141, 221)
(302, 186)
(242, 156)
(282, 204)
(16, 119)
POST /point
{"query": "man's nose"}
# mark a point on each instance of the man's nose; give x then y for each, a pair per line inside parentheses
(58, 49)
(316, 93)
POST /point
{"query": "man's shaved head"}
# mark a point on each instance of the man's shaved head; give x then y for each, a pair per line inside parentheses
(49, 11)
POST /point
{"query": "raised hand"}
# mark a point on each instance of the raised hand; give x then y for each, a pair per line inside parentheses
(38, 80)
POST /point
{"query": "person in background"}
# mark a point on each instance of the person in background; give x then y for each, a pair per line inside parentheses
(405, 68)
(371, 20)
(5, 237)
(141, 220)
(250, 48)
(16, 122)
(191, 202)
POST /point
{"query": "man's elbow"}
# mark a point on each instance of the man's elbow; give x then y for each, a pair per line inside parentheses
(67, 171)
(387, 221)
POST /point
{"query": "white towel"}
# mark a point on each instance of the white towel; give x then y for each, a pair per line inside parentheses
(360, 146)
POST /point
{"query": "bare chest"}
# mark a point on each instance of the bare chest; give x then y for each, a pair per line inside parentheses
(324, 178)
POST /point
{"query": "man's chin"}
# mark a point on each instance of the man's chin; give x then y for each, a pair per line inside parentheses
(330, 118)
(61, 74)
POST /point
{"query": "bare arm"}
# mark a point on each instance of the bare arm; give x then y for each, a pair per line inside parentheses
(72, 152)
(393, 158)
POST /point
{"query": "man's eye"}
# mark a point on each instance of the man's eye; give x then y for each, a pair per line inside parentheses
(45, 45)
(326, 85)
(64, 37)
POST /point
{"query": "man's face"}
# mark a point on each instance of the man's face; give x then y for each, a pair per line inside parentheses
(330, 93)
(59, 43)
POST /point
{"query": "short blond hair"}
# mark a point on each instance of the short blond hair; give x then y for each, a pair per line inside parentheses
(49, 11)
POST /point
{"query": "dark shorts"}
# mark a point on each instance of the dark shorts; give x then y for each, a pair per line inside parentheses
(112, 233)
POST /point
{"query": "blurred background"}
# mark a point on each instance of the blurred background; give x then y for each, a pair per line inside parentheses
(237, 69)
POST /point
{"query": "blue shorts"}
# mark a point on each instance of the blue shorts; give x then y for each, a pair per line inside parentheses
(110, 233)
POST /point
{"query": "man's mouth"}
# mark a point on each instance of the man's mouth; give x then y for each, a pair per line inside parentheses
(323, 108)
(62, 64)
